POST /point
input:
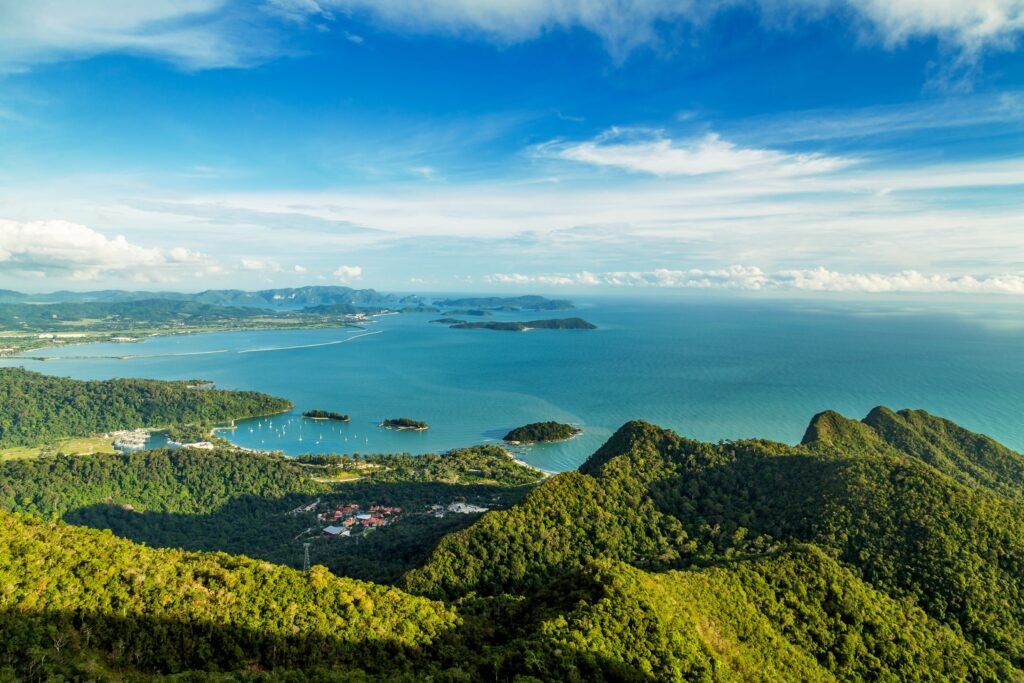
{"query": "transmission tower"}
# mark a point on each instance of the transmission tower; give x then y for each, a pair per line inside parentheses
(305, 559)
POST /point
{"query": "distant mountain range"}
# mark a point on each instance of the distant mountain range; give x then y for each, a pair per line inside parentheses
(286, 298)
(290, 297)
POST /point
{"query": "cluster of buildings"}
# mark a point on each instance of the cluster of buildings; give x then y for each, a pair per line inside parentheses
(458, 508)
(348, 516)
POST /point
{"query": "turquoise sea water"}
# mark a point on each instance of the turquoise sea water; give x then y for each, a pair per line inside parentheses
(708, 369)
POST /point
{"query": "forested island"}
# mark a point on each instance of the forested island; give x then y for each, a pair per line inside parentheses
(515, 326)
(475, 312)
(404, 423)
(890, 548)
(542, 431)
(317, 414)
(509, 303)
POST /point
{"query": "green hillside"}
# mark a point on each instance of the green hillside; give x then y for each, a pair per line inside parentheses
(657, 501)
(36, 408)
(884, 549)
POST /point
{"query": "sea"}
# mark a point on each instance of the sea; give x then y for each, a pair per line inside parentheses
(709, 368)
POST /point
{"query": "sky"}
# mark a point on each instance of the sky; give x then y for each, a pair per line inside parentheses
(827, 146)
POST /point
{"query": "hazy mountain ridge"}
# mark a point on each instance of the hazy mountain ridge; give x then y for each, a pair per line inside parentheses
(286, 297)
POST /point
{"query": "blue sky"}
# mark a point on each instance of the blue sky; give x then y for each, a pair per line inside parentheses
(566, 146)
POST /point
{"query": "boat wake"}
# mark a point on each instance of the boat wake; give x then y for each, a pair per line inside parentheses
(310, 346)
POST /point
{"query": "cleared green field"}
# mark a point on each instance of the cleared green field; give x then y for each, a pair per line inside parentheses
(77, 446)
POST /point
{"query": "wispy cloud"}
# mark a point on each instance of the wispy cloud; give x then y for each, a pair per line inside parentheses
(751, 278)
(260, 265)
(192, 33)
(201, 34)
(980, 112)
(649, 151)
(624, 25)
(68, 250)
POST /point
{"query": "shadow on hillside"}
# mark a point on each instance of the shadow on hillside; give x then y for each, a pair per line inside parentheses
(268, 529)
(88, 645)
(38, 644)
(780, 496)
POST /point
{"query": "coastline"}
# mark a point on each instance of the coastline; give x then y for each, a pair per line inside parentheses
(35, 343)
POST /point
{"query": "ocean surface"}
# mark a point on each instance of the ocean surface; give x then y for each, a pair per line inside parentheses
(709, 369)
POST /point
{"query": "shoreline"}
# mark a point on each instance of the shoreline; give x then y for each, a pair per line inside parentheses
(91, 337)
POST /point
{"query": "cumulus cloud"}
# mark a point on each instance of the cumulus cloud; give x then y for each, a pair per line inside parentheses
(347, 274)
(300, 270)
(69, 250)
(651, 152)
(752, 278)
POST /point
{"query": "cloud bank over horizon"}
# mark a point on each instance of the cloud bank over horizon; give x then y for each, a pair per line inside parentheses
(230, 144)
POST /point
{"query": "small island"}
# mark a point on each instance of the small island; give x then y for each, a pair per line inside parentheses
(517, 326)
(448, 321)
(405, 423)
(536, 432)
(478, 312)
(324, 415)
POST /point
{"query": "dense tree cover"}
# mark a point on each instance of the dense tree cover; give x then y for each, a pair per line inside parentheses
(542, 431)
(85, 604)
(192, 433)
(885, 549)
(274, 529)
(528, 303)
(475, 465)
(182, 480)
(36, 408)
(317, 414)
(868, 496)
(403, 423)
(253, 504)
(517, 326)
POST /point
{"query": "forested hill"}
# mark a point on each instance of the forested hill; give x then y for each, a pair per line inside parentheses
(36, 408)
(885, 549)
(910, 503)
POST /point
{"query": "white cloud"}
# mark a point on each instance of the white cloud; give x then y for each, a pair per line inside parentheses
(189, 32)
(823, 280)
(69, 250)
(624, 25)
(201, 34)
(968, 23)
(260, 265)
(300, 270)
(347, 274)
(752, 278)
(650, 152)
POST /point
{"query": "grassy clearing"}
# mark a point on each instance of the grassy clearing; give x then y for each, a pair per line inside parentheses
(87, 445)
